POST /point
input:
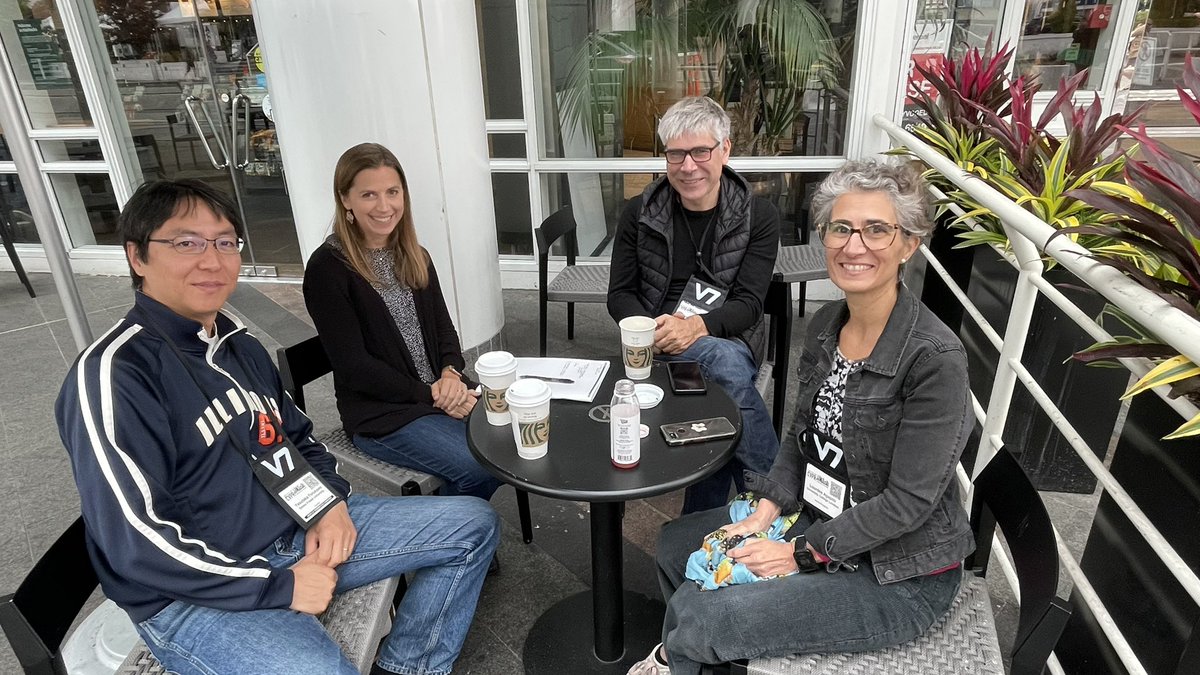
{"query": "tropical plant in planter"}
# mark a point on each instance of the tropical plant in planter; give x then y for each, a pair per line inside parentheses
(1163, 220)
(986, 124)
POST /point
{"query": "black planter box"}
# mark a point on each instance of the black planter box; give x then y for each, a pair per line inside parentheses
(1157, 617)
(1087, 396)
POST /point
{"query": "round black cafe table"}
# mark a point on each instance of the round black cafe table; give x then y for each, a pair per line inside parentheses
(578, 467)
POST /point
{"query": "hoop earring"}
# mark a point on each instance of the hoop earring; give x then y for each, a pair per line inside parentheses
(350, 217)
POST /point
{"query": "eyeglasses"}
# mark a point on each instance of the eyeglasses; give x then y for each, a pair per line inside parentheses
(700, 154)
(875, 236)
(195, 245)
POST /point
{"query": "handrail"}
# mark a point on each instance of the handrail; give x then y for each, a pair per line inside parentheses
(1169, 324)
(1028, 234)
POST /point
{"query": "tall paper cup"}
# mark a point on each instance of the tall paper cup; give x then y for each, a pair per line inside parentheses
(496, 370)
(529, 407)
(637, 346)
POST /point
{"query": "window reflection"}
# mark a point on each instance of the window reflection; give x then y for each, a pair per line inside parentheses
(781, 70)
(1062, 37)
(14, 211)
(41, 61)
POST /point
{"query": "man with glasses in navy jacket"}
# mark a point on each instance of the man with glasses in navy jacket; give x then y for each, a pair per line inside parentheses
(214, 518)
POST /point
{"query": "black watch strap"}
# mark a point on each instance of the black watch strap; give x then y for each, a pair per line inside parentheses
(805, 561)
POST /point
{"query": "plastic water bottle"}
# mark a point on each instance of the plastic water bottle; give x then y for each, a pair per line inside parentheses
(624, 423)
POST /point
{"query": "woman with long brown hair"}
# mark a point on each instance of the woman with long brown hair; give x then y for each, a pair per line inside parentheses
(373, 293)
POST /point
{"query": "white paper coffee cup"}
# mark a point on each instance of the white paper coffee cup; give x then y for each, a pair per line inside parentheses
(637, 346)
(496, 371)
(529, 408)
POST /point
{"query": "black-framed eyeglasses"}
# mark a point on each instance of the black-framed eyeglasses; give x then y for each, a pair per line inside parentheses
(699, 154)
(875, 236)
(190, 244)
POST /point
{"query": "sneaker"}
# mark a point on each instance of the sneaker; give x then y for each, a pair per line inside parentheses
(651, 664)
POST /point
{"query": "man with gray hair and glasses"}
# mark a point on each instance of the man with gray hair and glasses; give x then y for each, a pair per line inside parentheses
(696, 251)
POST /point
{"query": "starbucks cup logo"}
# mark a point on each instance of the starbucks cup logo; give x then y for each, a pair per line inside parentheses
(535, 433)
(639, 357)
(494, 399)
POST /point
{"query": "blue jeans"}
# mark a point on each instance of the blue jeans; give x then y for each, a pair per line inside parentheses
(435, 444)
(802, 613)
(446, 542)
(730, 364)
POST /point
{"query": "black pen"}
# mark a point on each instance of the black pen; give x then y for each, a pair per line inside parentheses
(560, 380)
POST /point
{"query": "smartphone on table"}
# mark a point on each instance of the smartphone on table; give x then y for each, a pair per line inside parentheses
(686, 377)
(697, 431)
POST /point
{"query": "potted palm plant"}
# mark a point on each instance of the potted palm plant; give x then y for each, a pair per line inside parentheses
(755, 57)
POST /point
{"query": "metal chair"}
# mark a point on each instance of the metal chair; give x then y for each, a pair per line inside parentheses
(305, 362)
(575, 283)
(964, 640)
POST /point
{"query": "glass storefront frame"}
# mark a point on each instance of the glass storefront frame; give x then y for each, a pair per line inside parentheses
(874, 62)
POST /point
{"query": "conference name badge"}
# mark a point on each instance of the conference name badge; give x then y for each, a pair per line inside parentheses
(699, 297)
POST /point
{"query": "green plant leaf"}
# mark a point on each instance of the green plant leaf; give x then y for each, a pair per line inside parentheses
(1190, 428)
(1171, 370)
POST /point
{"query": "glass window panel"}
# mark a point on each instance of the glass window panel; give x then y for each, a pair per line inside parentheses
(1188, 145)
(1059, 38)
(514, 230)
(943, 29)
(500, 62)
(1164, 114)
(613, 67)
(1165, 35)
(597, 200)
(14, 209)
(506, 146)
(89, 207)
(87, 150)
(33, 36)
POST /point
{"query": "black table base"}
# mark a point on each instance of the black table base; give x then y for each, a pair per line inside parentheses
(560, 641)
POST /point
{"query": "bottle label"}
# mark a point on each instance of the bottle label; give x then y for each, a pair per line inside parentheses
(625, 423)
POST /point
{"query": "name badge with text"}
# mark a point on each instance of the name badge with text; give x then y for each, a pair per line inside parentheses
(288, 476)
(699, 297)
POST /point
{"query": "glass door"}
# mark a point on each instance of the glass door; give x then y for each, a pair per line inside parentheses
(194, 91)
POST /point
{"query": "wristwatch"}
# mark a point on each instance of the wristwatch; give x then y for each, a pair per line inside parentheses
(804, 557)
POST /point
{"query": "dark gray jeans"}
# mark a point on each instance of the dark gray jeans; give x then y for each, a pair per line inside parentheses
(819, 612)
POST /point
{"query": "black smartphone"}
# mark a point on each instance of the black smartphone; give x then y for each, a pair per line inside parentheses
(686, 377)
(697, 431)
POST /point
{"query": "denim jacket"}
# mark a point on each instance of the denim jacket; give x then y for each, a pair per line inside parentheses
(906, 417)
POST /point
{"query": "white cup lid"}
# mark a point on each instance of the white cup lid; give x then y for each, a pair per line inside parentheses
(648, 395)
(527, 392)
(495, 363)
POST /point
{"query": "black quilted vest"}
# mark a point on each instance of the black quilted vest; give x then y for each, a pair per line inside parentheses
(731, 237)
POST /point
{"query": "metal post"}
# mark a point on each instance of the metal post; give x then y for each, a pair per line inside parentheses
(608, 607)
(22, 150)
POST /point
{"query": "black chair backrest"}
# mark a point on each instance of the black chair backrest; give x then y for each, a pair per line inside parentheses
(300, 364)
(561, 222)
(1005, 496)
(38, 615)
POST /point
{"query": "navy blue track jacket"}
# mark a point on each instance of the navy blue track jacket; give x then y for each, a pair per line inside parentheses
(173, 510)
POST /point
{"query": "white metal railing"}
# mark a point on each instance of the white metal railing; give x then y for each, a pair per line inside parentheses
(1029, 239)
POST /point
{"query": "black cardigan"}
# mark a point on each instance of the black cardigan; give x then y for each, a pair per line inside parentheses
(378, 388)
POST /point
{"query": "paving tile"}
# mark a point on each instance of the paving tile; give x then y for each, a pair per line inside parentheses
(45, 487)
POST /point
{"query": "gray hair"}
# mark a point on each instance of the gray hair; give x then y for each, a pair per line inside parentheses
(695, 115)
(903, 185)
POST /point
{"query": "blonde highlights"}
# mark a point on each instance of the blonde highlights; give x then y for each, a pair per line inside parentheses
(410, 260)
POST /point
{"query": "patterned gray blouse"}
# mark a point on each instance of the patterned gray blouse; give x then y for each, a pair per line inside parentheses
(400, 304)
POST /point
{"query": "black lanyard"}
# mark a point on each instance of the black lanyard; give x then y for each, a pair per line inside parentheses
(698, 247)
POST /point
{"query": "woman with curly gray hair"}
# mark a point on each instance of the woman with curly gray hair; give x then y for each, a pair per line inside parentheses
(883, 413)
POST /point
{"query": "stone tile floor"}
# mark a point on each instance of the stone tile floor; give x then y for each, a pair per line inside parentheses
(37, 492)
